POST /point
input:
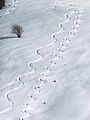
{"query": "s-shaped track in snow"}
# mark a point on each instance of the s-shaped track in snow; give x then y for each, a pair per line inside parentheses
(25, 113)
(37, 51)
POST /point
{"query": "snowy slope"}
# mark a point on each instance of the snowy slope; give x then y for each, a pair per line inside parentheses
(45, 74)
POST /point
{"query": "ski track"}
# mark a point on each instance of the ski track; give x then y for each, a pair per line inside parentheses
(74, 10)
(13, 6)
(25, 113)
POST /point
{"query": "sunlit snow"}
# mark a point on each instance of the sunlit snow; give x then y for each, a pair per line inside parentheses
(44, 75)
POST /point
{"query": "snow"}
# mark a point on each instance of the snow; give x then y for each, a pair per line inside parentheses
(45, 74)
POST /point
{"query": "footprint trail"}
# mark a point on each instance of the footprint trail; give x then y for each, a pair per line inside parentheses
(73, 20)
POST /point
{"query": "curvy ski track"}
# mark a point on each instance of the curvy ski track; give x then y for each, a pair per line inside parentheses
(72, 10)
(25, 113)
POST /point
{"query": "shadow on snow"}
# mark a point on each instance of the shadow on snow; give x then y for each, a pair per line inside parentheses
(7, 37)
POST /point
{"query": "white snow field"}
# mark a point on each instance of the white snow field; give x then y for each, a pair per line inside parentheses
(45, 74)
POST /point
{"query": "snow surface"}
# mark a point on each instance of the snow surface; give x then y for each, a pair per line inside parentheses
(45, 74)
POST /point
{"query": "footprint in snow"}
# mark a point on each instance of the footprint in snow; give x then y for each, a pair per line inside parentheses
(36, 89)
(76, 23)
(43, 75)
(71, 34)
(41, 81)
(58, 56)
(28, 105)
(61, 25)
(75, 28)
(67, 16)
(63, 45)
(31, 98)
(60, 50)
(66, 39)
(52, 62)
(21, 118)
(24, 114)
(47, 68)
